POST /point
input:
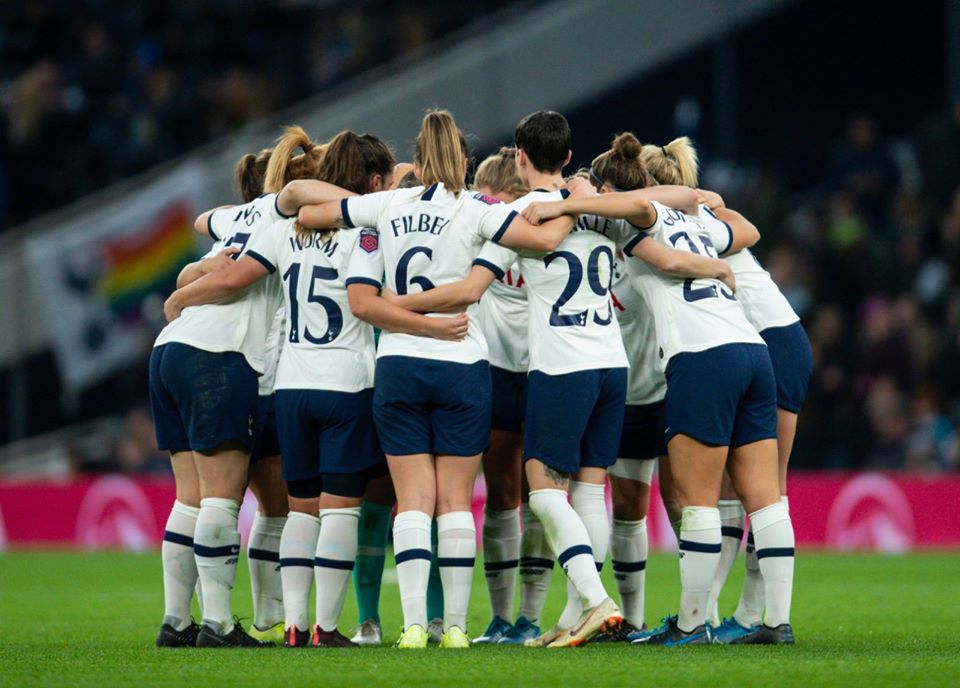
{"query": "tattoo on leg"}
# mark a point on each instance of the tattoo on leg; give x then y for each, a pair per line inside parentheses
(559, 479)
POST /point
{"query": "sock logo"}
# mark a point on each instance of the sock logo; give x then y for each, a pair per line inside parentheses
(231, 562)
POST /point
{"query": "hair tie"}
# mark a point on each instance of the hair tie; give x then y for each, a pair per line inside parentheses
(664, 151)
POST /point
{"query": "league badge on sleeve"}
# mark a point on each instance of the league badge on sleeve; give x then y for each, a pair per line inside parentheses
(369, 240)
(489, 200)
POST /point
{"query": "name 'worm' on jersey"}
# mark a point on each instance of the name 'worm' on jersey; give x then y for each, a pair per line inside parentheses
(572, 326)
(325, 347)
(430, 237)
(646, 383)
(242, 322)
(690, 314)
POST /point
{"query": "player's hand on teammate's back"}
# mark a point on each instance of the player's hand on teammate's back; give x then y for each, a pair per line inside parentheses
(171, 311)
(581, 187)
(450, 329)
(729, 279)
(538, 213)
(222, 260)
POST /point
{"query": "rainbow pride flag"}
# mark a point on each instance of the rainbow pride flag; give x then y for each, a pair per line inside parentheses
(149, 261)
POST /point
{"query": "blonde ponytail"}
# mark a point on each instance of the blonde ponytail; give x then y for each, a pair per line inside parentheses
(675, 163)
(441, 151)
(498, 172)
(284, 166)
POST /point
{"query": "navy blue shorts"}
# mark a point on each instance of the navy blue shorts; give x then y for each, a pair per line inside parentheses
(324, 433)
(642, 436)
(509, 399)
(422, 406)
(792, 360)
(265, 441)
(575, 420)
(724, 396)
(201, 399)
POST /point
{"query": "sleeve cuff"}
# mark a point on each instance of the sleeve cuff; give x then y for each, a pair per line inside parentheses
(503, 228)
(564, 193)
(277, 208)
(498, 273)
(729, 237)
(637, 238)
(213, 234)
(263, 261)
(363, 280)
(345, 213)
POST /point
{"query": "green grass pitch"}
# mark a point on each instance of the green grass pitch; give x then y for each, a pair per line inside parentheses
(84, 619)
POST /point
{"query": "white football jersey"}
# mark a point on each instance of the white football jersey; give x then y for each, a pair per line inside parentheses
(325, 346)
(242, 322)
(504, 320)
(272, 355)
(690, 314)
(763, 302)
(428, 238)
(646, 383)
(572, 326)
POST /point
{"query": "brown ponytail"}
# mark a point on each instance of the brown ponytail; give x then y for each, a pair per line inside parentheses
(675, 163)
(249, 173)
(284, 166)
(349, 162)
(499, 173)
(621, 167)
(441, 151)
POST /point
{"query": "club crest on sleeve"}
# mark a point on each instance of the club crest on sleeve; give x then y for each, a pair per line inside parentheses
(369, 240)
(489, 200)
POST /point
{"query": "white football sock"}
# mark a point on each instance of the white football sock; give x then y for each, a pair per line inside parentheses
(587, 499)
(750, 607)
(333, 564)
(501, 555)
(298, 545)
(731, 530)
(263, 559)
(699, 556)
(216, 546)
(179, 565)
(456, 555)
(568, 538)
(628, 551)
(773, 535)
(411, 544)
(536, 566)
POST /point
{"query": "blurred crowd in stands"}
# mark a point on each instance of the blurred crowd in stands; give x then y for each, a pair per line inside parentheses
(870, 259)
(109, 89)
(871, 262)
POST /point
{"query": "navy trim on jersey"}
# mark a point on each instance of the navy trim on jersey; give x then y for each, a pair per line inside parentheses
(564, 193)
(363, 280)
(263, 261)
(503, 228)
(729, 237)
(345, 214)
(277, 208)
(656, 216)
(428, 194)
(213, 235)
(497, 272)
(630, 245)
